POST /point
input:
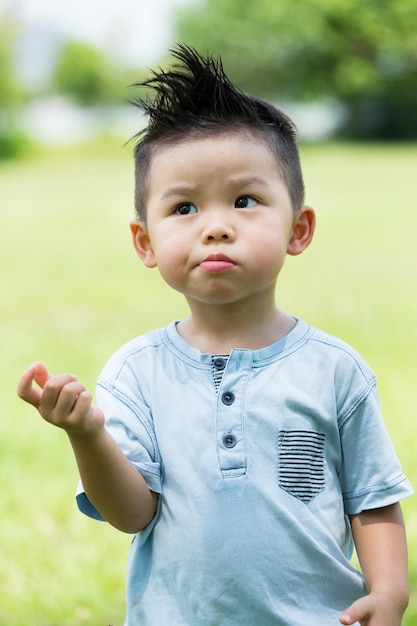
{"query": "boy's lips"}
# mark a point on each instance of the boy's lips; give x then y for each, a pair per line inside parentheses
(217, 263)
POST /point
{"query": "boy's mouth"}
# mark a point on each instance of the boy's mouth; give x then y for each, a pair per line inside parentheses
(217, 263)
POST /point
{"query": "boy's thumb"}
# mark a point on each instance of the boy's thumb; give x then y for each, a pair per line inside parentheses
(358, 611)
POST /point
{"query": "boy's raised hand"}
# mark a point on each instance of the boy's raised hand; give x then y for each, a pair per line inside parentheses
(61, 400)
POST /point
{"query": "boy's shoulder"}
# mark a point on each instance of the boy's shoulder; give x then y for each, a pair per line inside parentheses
(326, 340)
(318, 341)
(331, 353)
(150, 339)
(138, 348)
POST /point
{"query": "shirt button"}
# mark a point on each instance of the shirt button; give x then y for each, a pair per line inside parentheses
(228, 398)
(219, 363)
(229, 440)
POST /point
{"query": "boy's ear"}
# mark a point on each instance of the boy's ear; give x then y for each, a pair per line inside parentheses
(142, 243)
(302, 231)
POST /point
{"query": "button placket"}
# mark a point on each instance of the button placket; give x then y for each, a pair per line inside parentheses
(230, 403)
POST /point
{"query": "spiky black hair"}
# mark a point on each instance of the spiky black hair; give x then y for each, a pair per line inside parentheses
(196, 97)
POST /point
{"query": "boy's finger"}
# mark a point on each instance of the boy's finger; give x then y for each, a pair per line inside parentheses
(55, 389)
(41, 375)
(67, 398)
(25, 389)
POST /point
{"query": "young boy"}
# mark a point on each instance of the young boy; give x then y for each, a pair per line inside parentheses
(244, 448)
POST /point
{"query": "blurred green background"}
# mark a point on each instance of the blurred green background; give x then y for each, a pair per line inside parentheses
(73, 289)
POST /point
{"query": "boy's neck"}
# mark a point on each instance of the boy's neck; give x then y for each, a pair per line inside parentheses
(217, 330)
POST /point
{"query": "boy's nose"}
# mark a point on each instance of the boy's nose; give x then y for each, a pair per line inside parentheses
(218, 230)
(217, 235)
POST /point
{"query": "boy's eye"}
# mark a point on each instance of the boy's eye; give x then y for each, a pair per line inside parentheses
(186, 209)
(245, 202)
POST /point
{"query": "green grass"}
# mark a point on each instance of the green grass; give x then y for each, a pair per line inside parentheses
(73, 291)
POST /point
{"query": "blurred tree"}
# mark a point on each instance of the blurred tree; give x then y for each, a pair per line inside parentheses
(12, 141)
(85, 74)
(8, 86)
(362, 52)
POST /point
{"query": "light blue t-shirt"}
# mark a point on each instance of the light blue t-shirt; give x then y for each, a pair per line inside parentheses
(257, 469)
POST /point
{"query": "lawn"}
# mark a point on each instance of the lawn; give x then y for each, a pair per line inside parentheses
(73, 291)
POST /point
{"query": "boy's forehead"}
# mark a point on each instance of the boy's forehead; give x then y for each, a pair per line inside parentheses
(191, 148)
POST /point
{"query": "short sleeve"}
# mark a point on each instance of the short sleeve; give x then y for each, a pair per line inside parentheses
(371, 474)
(130, 424)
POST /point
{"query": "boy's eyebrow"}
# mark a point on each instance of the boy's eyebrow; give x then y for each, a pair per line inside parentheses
(251, 180)
(178, 190)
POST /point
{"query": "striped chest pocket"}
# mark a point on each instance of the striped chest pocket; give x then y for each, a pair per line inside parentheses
(301, 463)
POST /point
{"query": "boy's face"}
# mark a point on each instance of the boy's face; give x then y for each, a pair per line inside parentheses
(219, 219)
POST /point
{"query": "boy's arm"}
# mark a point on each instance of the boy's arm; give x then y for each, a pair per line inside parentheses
(380, 542)
(112, 484)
